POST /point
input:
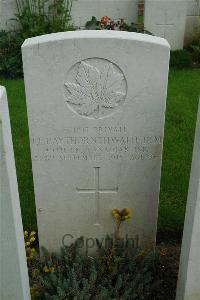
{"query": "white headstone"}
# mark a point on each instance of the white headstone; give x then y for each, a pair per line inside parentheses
(166, 18)
(8, 10)
(192, 20)
(83, 10)
(14, 284)
(189, 272)
(96, 105)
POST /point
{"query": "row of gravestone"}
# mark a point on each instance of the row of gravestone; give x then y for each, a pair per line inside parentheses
(96, 107)
(175, 20)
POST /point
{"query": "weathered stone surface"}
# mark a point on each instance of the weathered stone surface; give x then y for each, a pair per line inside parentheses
(189, 272)
(8, 10)
(83, 10)
(192, 20)
(96, 105)
(14, 283)
(167, 19)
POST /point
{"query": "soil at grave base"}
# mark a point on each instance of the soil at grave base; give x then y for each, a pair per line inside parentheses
(169, 243)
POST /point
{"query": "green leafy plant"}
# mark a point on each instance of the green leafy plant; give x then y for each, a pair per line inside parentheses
(38, 17)
(30, 241)
(106, 23)
(119, 216)
(181, 59)
(35, 17)
(10, 54)
(123, 273)
(71, 275)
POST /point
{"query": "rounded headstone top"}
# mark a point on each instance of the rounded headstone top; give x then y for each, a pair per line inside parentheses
(104, 34)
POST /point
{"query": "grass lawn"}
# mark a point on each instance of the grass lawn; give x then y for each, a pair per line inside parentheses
(183, 93)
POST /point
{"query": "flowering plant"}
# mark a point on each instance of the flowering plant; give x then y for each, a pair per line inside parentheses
(30, 239)
(122, 215)
(106, 23)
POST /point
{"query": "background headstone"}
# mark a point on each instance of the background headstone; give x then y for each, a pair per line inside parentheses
(96, 105)
(83, 10)
(166, 18)
(192, 20)
(14, 283)
(8, 10)
(189, 272)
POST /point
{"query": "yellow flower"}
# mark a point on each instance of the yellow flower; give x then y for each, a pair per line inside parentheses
(122, 215)
(30, 253)
(33, 291)
(35, 273)
(126, 212)
(32, 233)
(25, 234)
(116, 213)
(32, 239)
(47, 269)
(142, 253)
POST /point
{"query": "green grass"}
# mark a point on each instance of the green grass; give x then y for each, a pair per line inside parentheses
(182, 103)
(19, 124)
(183, 93)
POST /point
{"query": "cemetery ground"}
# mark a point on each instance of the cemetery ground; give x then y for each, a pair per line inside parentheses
(182, 102)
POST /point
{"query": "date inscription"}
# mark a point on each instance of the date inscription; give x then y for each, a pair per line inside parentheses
(96, 144)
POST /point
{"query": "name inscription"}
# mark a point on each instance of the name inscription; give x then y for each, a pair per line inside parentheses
(96, 144)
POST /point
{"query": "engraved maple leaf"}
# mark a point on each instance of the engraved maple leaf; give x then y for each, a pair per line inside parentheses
(95, 89)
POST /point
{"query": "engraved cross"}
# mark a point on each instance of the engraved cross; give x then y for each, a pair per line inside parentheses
(97, 191)
(165, 24)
